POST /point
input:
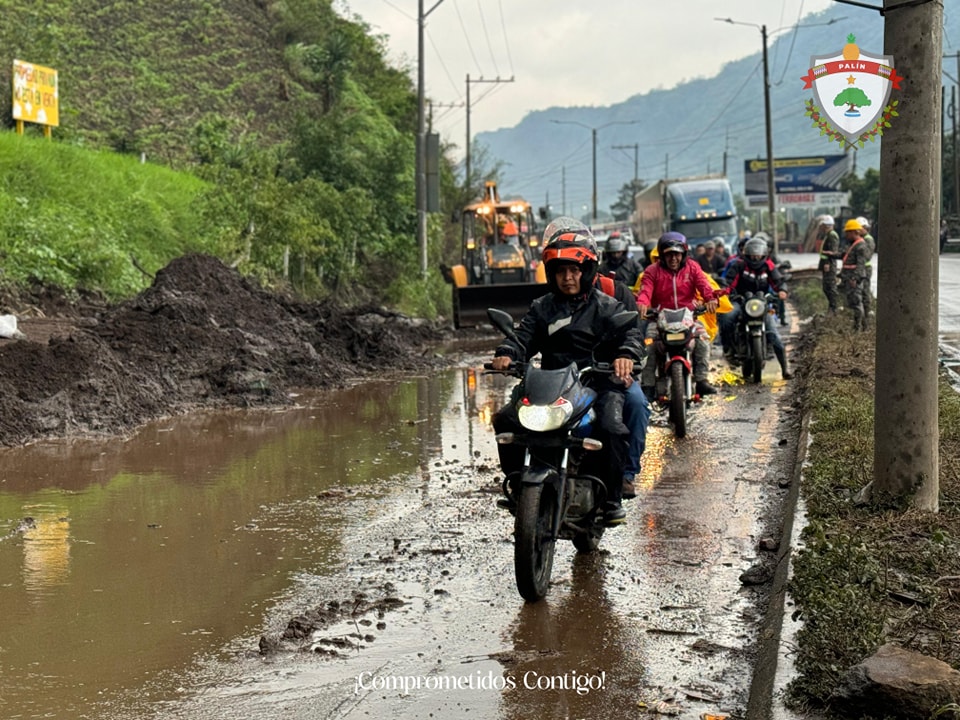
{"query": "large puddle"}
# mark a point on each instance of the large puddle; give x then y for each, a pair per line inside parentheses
(145, 553)
(153, 565)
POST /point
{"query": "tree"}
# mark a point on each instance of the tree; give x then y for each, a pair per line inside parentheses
(623, 207)
(864, 192)
(854, 97)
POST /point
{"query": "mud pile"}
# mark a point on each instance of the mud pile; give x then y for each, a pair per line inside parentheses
(201, 336)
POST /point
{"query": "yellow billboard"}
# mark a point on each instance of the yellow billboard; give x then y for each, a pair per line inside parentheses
(36, 97)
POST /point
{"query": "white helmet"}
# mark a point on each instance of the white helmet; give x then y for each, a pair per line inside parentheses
(826, 220)
(864, 223)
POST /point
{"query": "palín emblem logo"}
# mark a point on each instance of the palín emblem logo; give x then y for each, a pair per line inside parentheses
(851, 94)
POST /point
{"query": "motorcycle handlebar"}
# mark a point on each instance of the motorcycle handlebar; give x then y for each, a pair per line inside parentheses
(652, 314)
(517, 369)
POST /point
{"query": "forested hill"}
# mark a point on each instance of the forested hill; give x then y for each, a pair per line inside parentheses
(301, 134)
(685, 130)
(142, 76)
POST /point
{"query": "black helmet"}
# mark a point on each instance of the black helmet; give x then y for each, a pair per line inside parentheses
(755, 252)
(566, 240)
(672, 242)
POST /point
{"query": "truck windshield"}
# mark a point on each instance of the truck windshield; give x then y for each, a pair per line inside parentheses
(706, 229)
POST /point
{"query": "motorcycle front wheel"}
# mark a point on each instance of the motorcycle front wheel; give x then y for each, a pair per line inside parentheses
(759, 353)
(678, 400)
(534, 545)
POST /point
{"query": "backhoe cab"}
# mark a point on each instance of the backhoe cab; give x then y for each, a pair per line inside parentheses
(500, 259)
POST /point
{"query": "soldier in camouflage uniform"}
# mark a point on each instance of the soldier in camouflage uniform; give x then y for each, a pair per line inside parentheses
(853, 273)
(829, 252)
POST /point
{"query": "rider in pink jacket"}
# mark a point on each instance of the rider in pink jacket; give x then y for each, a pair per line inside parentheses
(674, 282)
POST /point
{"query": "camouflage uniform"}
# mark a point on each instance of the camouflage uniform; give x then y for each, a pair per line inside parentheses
(853, 274)
(829, 250)
(865, 290)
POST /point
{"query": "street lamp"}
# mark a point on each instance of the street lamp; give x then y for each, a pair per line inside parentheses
(771, 195)
(593, 131)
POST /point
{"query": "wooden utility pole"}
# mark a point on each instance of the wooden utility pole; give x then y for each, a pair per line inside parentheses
(906, 426)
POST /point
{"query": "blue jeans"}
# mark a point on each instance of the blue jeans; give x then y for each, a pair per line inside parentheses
(636, 416)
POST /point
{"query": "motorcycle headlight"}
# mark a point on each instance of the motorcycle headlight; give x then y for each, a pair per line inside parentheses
(544, 418)
(755, 308)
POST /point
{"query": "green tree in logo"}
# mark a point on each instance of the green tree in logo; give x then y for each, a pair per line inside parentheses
(854, 97)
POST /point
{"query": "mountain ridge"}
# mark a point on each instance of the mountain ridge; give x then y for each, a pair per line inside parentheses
(685, 130)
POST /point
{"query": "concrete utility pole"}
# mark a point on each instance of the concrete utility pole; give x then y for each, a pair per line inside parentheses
(771, 172)
(906, 425)
(421, 164)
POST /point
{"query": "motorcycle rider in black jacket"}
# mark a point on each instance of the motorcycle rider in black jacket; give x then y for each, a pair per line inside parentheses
(569, 325)
(755, 272)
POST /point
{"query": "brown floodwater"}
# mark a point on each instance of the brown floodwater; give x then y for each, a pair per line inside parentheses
(153, 566)
(147, 552)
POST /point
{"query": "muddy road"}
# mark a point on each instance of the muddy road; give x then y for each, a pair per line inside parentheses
(344, 558)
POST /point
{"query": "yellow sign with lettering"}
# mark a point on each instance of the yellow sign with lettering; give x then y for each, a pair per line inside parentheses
(36, 96)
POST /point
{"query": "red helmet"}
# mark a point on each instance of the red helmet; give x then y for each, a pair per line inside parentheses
(567, 240)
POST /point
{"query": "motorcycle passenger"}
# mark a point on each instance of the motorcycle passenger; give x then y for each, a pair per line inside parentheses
(616, 264)
(853, 272)
(870, 251)
(673, 282)
(636, 409)
(829, 253)
(565, 326)
(737, 253)
(756, 272)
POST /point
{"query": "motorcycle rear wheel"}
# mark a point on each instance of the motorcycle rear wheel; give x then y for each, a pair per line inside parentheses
(534, 547)
(678, 400)
(759, 352)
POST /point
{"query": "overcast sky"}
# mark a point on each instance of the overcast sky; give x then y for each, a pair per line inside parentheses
(566, 52)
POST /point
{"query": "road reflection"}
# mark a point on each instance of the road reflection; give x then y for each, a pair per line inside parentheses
(574, 655)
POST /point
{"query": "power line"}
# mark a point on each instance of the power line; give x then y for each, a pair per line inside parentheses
(466, 36)
(483, 22)
(506, 37)
(718, 115)
(400, 10)
(456, 88)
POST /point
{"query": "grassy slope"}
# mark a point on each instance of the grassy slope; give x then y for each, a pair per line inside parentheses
(73, 216)
(137, 76)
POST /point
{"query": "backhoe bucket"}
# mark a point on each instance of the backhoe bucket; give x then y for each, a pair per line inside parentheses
(470, 302)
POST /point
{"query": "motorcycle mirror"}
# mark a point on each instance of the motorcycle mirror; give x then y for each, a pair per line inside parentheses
(624, 319)
(503, 321)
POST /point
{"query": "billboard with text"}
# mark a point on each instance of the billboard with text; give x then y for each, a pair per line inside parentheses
(809, 181)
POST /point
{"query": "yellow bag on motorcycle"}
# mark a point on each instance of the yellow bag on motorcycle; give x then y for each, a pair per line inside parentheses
(709, 320)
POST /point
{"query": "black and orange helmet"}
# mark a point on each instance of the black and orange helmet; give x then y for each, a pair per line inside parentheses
(567, 240)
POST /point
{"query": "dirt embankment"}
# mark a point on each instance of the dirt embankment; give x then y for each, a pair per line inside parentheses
(201, 336)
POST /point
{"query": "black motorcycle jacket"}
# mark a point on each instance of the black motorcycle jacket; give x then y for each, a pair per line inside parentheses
(568, 330)
(746, 280)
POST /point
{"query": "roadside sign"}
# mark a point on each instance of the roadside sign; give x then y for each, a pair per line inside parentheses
(36, 97)
(810, 181)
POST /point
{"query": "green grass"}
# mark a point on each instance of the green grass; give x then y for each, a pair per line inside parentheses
(73, 217)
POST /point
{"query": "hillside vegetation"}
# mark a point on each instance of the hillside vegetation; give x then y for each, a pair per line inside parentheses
(292, 141)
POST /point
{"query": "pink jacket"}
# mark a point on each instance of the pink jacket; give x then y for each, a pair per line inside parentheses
(661, 288)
